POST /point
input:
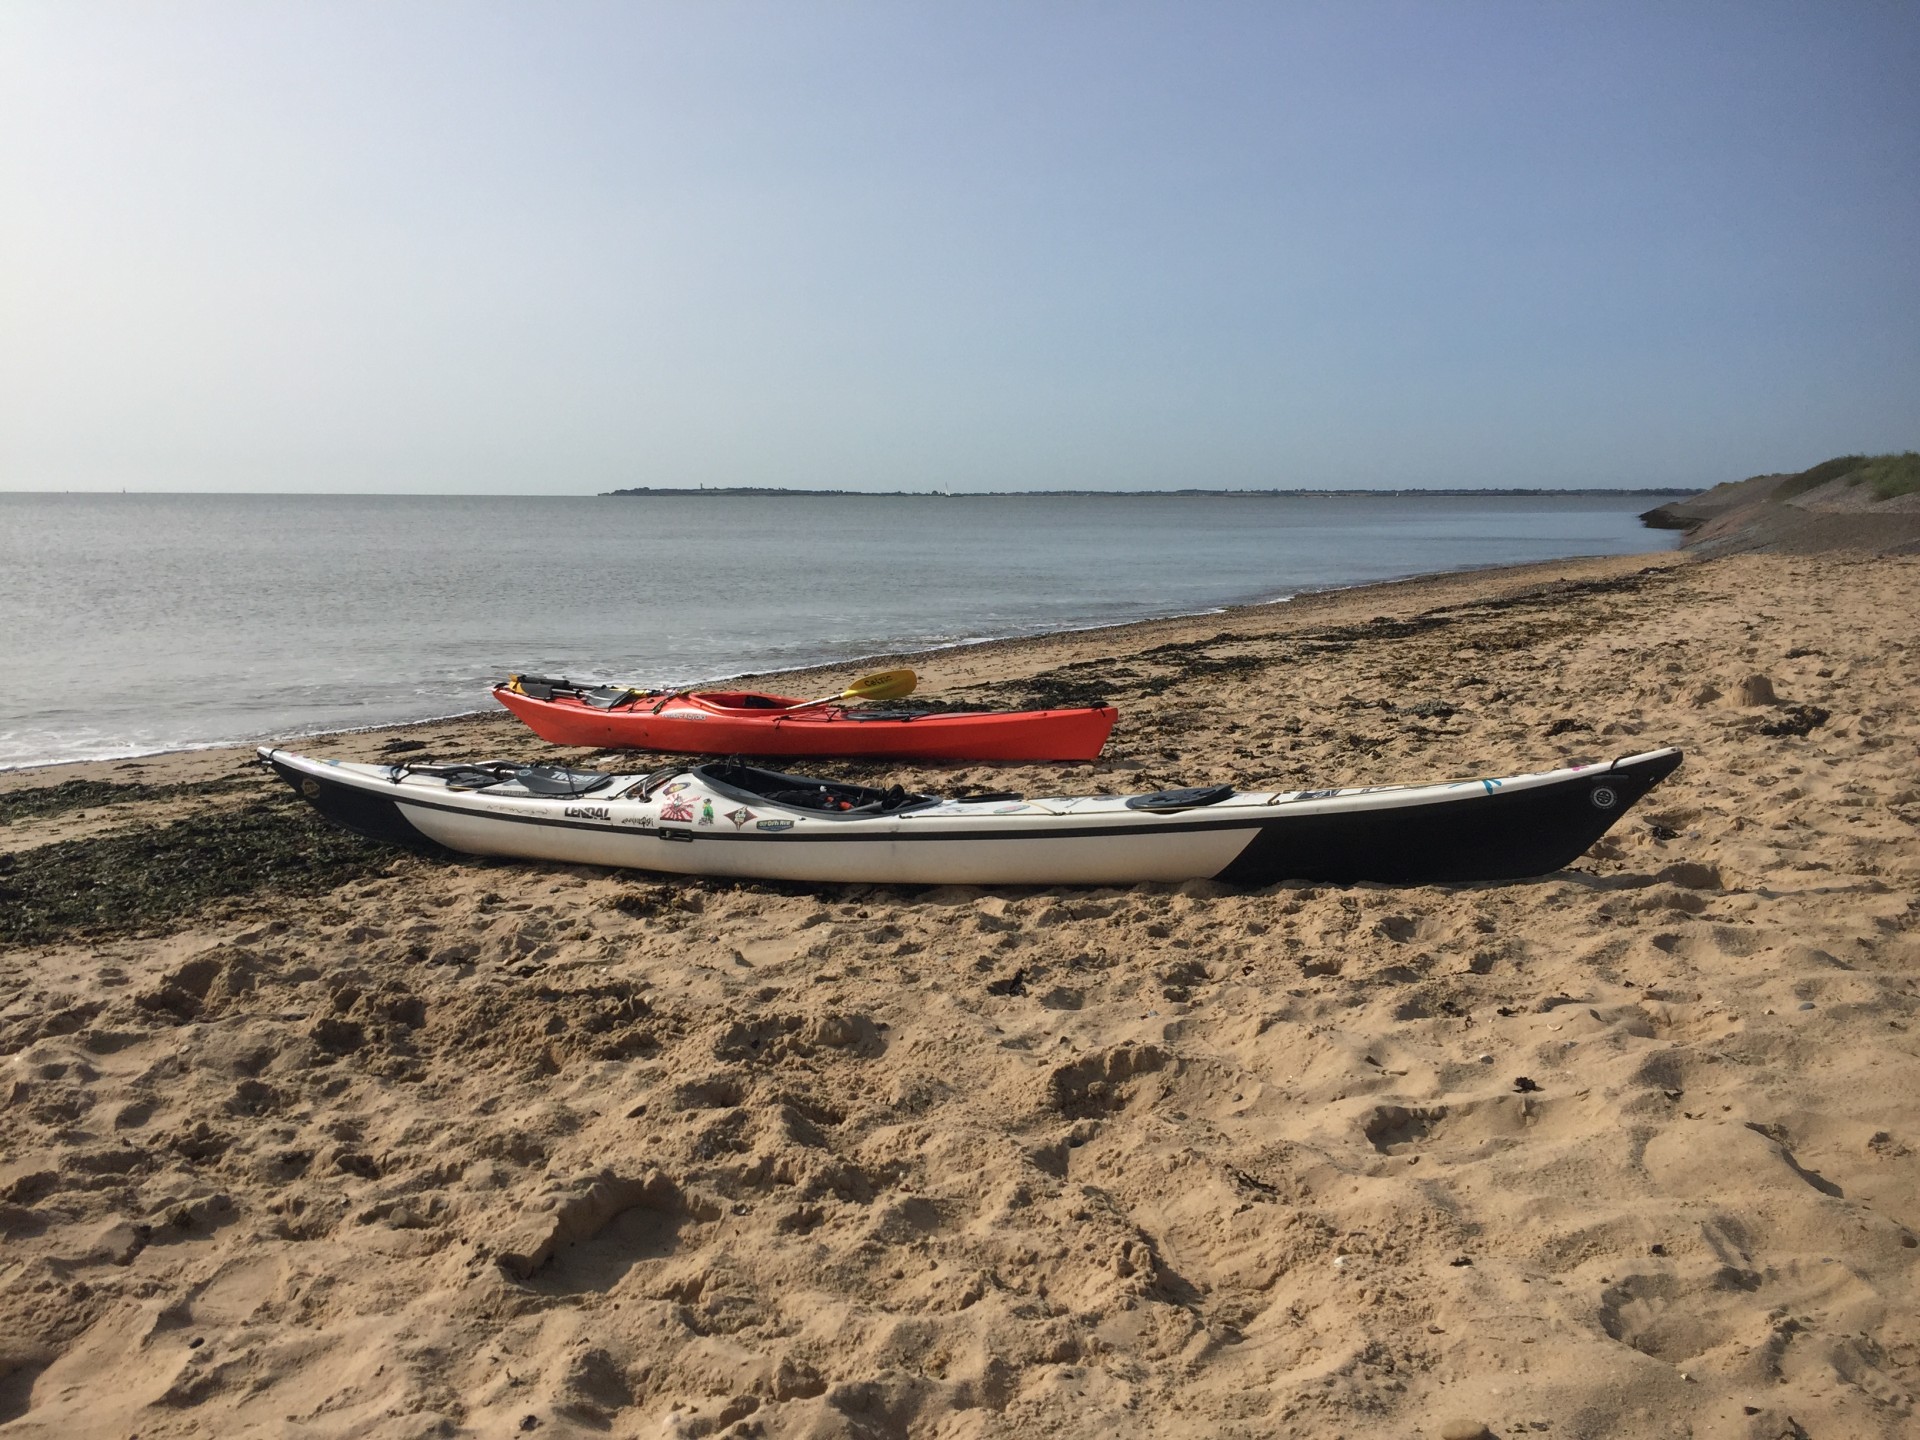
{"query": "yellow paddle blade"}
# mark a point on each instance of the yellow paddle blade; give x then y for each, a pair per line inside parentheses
(887, 685)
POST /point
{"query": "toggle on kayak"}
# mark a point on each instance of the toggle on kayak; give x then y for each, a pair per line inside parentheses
(741, 722)
(736, 819)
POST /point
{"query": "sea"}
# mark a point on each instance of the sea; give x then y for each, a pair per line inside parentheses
(135, 624)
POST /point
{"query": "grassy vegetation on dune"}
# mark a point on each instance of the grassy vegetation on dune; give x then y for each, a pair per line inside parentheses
(1815, 476)
(1890, 475)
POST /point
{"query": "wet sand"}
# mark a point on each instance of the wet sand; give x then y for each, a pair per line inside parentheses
(308, 1137)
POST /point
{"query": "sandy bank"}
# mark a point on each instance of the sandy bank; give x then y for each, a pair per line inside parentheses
(1830, 508)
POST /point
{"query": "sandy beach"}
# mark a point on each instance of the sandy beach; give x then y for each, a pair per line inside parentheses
(308, 1137)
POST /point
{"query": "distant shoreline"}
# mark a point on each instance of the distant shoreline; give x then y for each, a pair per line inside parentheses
(650, 490)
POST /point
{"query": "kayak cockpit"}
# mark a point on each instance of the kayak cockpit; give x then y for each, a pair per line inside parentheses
(742, 700)
(750, 784)
(508, 777)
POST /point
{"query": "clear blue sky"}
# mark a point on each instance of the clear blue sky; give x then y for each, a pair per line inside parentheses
(562, 247)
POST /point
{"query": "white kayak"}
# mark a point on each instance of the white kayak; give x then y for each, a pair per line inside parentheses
(738, 820)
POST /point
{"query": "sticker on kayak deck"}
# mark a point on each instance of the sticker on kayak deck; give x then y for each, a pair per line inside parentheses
(774, 825)
(676, 809)
(740, 817)
(1011, 808)
(588, 812)
(1492, 785)
(706, 812)
(674, 787)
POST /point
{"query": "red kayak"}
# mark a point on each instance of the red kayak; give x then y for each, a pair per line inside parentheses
(738, 722)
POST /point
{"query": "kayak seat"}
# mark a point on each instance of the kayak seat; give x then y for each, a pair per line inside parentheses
(820, 798)
(1165, 802)
(846, 799)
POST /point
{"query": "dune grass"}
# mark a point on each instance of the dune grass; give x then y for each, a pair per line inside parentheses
(1889, 475)
(1815, 476)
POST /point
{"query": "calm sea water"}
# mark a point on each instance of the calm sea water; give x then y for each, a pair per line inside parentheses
(138, 623)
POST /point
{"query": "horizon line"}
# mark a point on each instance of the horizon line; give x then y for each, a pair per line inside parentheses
(933, 494)
(1184, 490)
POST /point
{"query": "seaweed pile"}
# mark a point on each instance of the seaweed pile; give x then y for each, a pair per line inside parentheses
(145, 878)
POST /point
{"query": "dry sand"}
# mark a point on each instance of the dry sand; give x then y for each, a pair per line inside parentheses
(493, 1149)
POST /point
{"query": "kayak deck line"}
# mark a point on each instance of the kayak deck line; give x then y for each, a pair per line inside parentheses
(790, 827)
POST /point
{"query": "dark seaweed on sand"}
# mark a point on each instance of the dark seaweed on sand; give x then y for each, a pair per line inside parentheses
(35, 804)
(146, 879)
(1796, 720)
(1049, 690)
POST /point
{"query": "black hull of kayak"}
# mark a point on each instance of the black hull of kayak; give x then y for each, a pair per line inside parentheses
(354, 807)
(1496, 836)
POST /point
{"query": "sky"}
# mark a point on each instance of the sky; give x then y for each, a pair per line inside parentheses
(401, 246)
